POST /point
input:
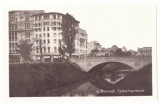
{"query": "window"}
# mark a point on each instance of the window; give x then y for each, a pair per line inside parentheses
(47, 28)
(55, 49)
(54, 28)
(16, 44)
(54, 16)
(59, 28)
(12, 44)
(37, 42)
(35, 17)
(36, 35)
(44, 49)
(48, 49)
(37, 50)
(59, 23)
(43, 28)
(59, 34)
(15, 26)
(40, 29)
(39, 17)
(44, 41)
(15, 34)
(59, 40)
(55, 35)
(54, 23)
(35, 25)
(36, 30)
(48, 34)
(15, 38)
(44, 35)
(55, 41)
(58, 16)
(39, 35)
(48, 41)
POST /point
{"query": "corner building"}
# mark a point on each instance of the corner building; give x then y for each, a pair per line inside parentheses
(47, 28)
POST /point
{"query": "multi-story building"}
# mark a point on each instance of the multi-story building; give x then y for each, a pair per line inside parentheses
(81, 43)
(47, 28)
(20, 27)
(145, 51)
(36, 26)
(93, 45)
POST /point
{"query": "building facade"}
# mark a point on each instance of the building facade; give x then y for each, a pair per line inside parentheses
(20, 27)
(42, 28)
(93, 45)
(145, 51)
(47, 29)
(81, 43)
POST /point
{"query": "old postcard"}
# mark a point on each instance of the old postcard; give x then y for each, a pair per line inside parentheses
(95, 52)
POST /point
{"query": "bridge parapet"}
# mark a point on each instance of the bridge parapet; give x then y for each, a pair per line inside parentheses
(135, 62)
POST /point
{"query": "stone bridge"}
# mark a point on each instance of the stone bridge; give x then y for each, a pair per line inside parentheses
(135, 62)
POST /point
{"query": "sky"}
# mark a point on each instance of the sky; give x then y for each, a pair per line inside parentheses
(130, 26)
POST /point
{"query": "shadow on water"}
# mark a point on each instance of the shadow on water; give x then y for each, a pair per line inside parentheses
(112, 79)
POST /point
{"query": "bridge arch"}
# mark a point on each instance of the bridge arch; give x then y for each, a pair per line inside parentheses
(134, 62)
(103, 64)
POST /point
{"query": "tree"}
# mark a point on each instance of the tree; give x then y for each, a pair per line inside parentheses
(24, 48)
(119, 52)
(69, 30)
(103, 50)
(61, 50)
(95, 51)
(40, 48)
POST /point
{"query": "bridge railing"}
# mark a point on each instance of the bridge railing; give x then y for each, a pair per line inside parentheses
(114, 58)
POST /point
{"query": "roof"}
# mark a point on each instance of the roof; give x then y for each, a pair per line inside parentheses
(52, 13)
(49, 13)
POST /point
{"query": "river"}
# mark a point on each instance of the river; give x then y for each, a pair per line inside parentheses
(104, 83)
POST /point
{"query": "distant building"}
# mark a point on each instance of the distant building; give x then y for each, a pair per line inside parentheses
(145, 51)
(81, 43)
(124, 49)
(133, 53)
(93, 45)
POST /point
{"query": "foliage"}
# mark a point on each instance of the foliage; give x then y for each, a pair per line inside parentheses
(40, 48)
(119, 52)
(95, 51)
(61, 49)
(69, 25)
(103, 50)
(24, 49)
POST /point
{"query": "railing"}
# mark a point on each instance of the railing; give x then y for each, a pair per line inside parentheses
(113, 58)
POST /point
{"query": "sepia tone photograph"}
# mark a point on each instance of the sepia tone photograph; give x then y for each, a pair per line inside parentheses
(96, 51)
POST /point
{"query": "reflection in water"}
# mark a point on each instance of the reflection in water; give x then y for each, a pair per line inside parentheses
(86, 89)
(102, 81)
(116, 76)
